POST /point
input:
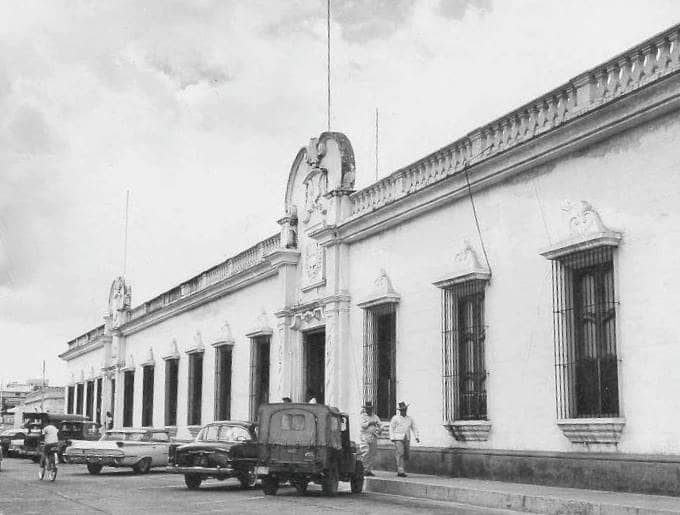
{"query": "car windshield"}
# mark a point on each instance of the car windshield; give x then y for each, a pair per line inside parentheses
(224, 433)
(121, 435)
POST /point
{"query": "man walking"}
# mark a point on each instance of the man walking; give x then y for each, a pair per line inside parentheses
(401, 427)
(368, 437)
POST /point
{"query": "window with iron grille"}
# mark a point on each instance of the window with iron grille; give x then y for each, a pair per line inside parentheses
(259, 373)
(586, 361)
(69, 401)
(195, 388)
(90, 399)
(147, 395)
(171, 381)
(380, 374)
(79, 398)
(463, 363)
(223, 359)
(128, 397)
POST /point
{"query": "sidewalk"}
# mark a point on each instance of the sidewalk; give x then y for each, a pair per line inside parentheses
(522, 497)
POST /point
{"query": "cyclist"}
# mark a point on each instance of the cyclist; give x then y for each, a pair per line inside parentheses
(51, 441)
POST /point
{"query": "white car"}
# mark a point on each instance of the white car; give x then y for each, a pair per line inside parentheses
(140, 449)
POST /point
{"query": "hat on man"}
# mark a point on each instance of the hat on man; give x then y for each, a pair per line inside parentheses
(368, 404)
(402, 405)
(286, 399)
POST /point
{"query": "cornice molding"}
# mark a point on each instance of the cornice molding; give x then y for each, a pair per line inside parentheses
(588, 128)
(84, 349)
(253, 275)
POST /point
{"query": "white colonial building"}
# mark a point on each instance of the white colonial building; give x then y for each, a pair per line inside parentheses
(517, 287)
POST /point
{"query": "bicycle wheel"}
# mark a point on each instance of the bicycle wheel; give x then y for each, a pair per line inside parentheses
(52, 472)
(41, 470)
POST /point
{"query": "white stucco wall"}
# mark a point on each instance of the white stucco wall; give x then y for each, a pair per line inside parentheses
(240, 310)
(633, 181)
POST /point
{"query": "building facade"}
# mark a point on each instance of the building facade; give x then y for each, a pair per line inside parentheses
(516, 287)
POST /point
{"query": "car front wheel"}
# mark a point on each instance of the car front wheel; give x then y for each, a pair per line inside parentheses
(248, 480)
(94, 468)
(270, 485)
(193, 481)
(143, 466)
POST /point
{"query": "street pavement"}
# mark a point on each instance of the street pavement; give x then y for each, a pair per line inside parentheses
(121, 491)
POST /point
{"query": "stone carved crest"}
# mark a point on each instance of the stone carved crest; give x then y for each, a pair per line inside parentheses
(467, 266)
(313, 263)
(120, 297)
(583, 219)
(315, 151)
(316, 187)
(310, 317)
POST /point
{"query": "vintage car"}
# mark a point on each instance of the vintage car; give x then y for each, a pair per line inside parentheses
(71, 427)
(11, 440)
(140, 449)
(222, 450)
(303, 443)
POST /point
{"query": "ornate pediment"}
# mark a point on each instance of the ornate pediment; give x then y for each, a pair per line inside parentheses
(197, 344)
(585, 230)
(225, 337)
(261, 326)
(148, 358)
(465, 266)
(309, 318)
(129, 363)
(173, 351)
(382, 293)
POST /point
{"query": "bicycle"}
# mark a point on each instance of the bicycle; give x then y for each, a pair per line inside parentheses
(49, 468)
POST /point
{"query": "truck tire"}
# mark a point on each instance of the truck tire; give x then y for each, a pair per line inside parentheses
(193, 481)
(301, 486)
(248, 480)
(329, 486)
(270, 485)
(357, 480)
(94, 468)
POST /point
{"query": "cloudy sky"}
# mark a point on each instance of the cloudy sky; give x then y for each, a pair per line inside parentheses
(198, 107)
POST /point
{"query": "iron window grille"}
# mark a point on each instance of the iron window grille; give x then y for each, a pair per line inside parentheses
(259, 373)
(586, 359)
(380, 378)
(464, 372)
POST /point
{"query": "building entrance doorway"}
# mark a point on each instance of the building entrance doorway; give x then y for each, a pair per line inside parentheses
(315, 365)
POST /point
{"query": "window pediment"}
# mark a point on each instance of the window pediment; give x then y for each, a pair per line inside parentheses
(197, 346)
(382, 293)
(466, 267)
(260, 327)
(173, 351)
(225, 337)
(586, 232)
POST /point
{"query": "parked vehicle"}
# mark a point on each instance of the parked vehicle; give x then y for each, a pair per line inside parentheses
(71, 427)
(140, 449)
(10, 440)
(304, 443)
(222, 450)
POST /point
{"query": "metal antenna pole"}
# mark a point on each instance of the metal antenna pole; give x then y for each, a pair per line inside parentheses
(376, 143)
(127, 203)
(328, 41)
(42, 390)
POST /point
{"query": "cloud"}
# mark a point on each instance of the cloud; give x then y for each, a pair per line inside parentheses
(456, 9)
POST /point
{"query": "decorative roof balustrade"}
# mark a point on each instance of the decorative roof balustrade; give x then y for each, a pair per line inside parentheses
(232, 266)
(86, 338)
(653, 59)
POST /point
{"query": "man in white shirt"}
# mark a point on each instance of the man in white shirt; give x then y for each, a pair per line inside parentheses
(401, 427)
(51, 438)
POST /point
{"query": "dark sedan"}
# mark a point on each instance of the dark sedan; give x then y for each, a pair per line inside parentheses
(222, 450)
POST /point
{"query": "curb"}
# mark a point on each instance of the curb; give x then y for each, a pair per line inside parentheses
(522, 502)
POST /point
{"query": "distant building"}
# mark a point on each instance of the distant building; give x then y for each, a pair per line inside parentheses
(11, 395)
(534, 338)
(47, 400)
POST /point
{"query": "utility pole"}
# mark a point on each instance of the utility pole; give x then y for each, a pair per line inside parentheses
(42, 390)
(127, 205)
(376, 143)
